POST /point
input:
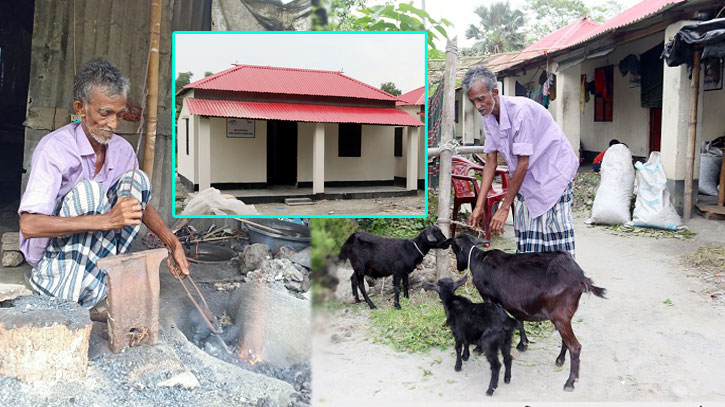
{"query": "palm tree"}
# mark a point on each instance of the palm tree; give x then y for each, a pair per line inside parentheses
(499, 28)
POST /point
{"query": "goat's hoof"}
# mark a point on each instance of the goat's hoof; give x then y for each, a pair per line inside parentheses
(489, 392)
(372, 306)
(478, 349)
(507, 380)
(560, 362)
(569, 387)
(457, 368)
(522, 346)
(465, 357)
(397, 306)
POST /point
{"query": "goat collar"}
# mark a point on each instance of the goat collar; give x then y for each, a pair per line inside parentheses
(469, 256)
(416, 247)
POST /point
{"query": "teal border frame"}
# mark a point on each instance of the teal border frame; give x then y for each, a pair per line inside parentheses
(173, 124)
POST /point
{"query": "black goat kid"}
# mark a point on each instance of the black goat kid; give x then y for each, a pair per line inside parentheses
(485, 324)
(532, 287)
(375, 256)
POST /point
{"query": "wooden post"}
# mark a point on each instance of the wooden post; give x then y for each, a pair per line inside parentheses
(444, 182)
(691, 136)
(152, 101)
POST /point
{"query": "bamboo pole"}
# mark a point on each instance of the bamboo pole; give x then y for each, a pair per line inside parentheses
(444, 183)
(153, 88)
(691, 136)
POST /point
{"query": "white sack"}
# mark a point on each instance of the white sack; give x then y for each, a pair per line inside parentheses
(710, 164)
(614, 195)
(211, 202)
(653, 207)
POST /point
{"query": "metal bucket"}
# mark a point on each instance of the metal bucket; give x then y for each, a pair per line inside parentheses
(291, 234)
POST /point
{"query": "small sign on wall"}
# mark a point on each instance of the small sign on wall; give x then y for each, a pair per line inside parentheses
(240, 128)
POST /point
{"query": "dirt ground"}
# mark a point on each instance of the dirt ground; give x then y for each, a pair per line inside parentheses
(657, 338)
(405, 205)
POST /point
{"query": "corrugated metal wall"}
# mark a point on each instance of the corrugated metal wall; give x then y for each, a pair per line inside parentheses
(68, 33)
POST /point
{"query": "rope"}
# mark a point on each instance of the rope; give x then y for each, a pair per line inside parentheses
(416, 247)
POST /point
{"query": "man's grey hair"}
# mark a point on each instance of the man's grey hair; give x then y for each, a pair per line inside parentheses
(101, 75)
(479, 73)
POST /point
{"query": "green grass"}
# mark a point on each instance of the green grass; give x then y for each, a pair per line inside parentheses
(420, 325)
(624, 230)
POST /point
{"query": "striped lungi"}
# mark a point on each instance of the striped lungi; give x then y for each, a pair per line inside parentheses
(68, 268)
(552, 231)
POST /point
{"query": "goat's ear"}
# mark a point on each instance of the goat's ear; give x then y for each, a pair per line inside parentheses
(429, 236)
(460, 282)
(430, 287)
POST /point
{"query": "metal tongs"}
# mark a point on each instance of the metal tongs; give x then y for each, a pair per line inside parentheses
(203, 309)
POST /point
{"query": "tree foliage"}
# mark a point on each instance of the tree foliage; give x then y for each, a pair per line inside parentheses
(354, 15)
(182, 79)
(390, 88)
(500, 29)
(547, 16)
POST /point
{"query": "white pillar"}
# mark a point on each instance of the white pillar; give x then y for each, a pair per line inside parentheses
(470, 115)
(675, 120)
(568, 100)
(411, 173)
(318, 159)
(204, 153)
(509, 86)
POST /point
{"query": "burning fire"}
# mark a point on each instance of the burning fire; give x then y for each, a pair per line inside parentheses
(248, 355)
(250, 344)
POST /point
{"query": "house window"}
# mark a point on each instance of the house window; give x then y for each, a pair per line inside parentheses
(604, 93)
(349, 140)
(187, 136)
(398, 142)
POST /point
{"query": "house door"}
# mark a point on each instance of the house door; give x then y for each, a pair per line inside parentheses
(16, 32)
(655, 128)
(281, 152)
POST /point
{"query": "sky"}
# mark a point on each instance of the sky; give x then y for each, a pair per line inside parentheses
(370, 58)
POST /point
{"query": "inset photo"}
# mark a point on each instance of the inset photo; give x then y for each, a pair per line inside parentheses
(319, 124)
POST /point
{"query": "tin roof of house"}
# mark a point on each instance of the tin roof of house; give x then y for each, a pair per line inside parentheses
(582, 31)
(301, 112)
(559, 39)
(414, 97)
(289, 81)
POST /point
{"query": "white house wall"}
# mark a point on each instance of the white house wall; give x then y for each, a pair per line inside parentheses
(400, 162)
(238, 159)
(531, 76)
(630, 121)
(713, 119)
(376, 161)
(185, 162)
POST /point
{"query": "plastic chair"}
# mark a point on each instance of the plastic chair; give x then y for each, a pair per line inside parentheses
(465, 187)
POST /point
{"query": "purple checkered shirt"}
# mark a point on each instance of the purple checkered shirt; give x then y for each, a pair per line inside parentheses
(526, 128)
(62, 159)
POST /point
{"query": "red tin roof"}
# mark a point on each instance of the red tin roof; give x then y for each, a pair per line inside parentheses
(582, 31)
(414, 97)
(289, 81)
(561, 38)
(301, 112)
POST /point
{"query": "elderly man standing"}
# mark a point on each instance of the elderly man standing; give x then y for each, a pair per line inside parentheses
(539, 156)
(86, 197)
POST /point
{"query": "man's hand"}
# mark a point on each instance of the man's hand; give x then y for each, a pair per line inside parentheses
(498, 220)
(126, 212)
(475, 218)
(182, 264)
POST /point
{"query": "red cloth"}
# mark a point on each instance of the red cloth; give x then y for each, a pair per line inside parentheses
(598, 159)
(600, 82)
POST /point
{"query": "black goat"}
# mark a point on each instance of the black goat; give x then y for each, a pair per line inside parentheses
(532, 287)
(485, 324)
(375, 256)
